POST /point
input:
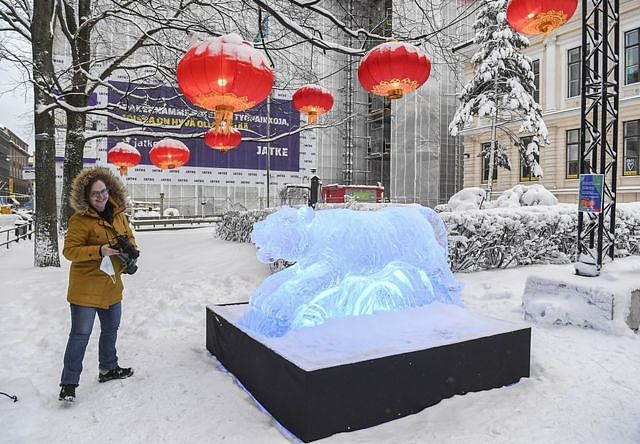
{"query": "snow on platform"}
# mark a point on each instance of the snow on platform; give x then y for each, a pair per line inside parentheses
(375, 336)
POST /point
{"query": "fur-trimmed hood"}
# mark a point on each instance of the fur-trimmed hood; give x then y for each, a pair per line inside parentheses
(79, 199)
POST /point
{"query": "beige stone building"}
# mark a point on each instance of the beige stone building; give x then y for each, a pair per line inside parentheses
(557, 68)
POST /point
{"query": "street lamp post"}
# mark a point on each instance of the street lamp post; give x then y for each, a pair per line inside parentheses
(268, 164)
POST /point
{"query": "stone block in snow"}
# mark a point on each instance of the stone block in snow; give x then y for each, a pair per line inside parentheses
(633, 317)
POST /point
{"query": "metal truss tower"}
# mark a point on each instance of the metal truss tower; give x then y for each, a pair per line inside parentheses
(599, 121)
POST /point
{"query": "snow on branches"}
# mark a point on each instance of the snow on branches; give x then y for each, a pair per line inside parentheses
(503, 85)
(501, 158)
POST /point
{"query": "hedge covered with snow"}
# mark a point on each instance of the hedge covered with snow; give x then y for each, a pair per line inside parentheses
(499, 238)
(496, 237)
(236, 226)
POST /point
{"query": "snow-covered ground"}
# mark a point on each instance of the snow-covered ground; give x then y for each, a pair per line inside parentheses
(584, 384)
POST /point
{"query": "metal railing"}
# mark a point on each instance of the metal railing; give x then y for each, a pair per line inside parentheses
(173, 222)
(16, 233)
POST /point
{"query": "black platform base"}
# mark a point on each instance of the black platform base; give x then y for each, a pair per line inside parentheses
(314, 404)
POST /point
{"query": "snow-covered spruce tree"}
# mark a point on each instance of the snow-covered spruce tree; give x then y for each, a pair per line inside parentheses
(501, 89)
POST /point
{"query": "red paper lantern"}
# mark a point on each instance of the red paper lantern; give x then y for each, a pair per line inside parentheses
(168, 154)
(221, 140)
(124, 156)
(539, 16)
(312, 100)
(224, 74)
(393, 69)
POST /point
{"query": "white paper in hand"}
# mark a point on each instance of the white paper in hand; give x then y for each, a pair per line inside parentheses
(107, 266)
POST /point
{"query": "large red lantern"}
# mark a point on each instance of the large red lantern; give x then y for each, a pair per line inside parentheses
(168, 154)
(312, 100)
(221, 140)
(393, 69)
(124, 156)
(224, 74)
(539, 16)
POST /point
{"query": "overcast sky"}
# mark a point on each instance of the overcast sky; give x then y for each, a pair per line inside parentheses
(16, 104)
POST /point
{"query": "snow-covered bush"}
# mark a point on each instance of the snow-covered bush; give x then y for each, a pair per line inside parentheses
(467, 199)
(504, 237)
(236, 226)
(627, 229)
(171, 212)
(525, 196)
(472, 198)
(500, 237)
(494, 238)
(441, 208)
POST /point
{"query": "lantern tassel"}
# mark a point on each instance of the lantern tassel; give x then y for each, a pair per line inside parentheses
(313, 118)
(217, 121)
(123, 170)
(228, 119)
(224, 114)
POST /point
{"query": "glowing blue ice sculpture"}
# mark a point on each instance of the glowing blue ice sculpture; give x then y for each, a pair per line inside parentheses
(348, 263)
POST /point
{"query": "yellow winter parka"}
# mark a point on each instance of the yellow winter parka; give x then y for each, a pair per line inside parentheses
(87, 232)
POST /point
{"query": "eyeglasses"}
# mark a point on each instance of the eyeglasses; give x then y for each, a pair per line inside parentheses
(97, 194)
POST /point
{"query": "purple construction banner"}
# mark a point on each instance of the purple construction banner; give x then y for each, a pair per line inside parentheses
(164, 106)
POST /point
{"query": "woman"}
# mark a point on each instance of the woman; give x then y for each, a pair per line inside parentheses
(99, 199)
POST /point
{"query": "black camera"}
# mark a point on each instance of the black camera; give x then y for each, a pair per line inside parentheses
(128, 253)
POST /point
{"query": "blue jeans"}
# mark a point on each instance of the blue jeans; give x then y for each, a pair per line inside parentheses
(81, 325)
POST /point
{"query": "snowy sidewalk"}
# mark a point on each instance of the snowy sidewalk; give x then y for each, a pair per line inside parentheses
(584, 384)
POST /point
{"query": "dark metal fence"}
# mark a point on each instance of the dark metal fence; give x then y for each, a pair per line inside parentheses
(16, 233)
(172, 222)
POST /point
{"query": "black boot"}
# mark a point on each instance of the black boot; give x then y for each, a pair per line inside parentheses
(114, 373)
(67, 392)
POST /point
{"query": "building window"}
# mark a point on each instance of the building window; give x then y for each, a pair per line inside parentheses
(536, 80)
(573, 153)
(573, 72)
(631, 56)
(631, 148)
(485, 164)
(525, 171)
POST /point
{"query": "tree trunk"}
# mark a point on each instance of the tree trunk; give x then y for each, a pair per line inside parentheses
(492, 157)
(77, 97)
(492, 154)
(73, 155)
(46, 252)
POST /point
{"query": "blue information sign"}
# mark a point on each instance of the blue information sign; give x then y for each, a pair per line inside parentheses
(590, 195)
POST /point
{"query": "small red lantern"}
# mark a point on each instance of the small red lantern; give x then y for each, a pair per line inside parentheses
(312, 100)
(167, 154)
(224, 74)
(124, 156)
(539, 16)
(223, 141)
(393, 69)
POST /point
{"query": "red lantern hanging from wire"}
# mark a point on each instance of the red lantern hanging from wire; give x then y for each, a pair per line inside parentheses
(312, 100)
(393, 69)
(124, 156)
(221, 140)
(224, 75)
(168, 154)
(539, 16)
